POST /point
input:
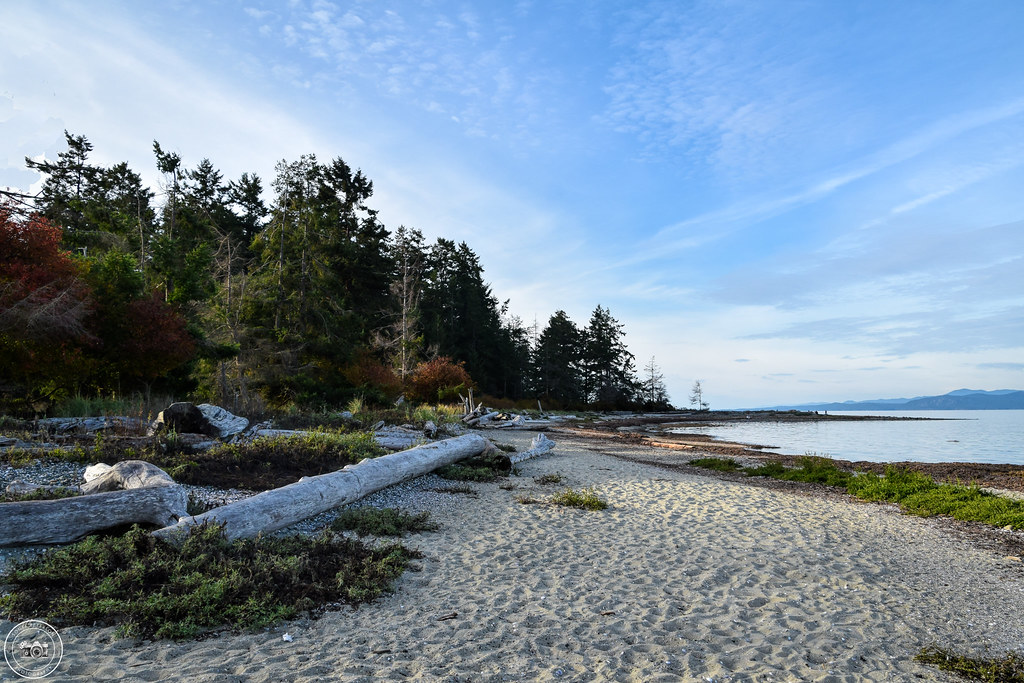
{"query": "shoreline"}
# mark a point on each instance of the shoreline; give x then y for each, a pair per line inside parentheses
(1000, 476)
(687, 576)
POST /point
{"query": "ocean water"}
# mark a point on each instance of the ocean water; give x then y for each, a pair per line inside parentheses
(983, 436)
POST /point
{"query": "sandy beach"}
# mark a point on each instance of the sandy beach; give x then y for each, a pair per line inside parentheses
(684, 577)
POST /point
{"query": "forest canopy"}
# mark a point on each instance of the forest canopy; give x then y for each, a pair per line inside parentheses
(255, 298)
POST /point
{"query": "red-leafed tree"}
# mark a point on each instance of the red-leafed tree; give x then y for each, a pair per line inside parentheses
(74, 325)
(44, 306)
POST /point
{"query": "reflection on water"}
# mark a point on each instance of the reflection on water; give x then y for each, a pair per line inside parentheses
(990, 436)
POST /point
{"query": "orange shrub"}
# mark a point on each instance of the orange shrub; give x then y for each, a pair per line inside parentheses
(372, 376)
(439, 381)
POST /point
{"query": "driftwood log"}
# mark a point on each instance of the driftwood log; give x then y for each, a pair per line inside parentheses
(310, 496)
(540, 445)
(45, 522)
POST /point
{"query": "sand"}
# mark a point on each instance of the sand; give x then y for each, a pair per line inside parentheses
(684, 577)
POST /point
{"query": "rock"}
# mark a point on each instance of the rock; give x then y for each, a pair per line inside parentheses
(226, 423)
(129, 474)
(184, 418)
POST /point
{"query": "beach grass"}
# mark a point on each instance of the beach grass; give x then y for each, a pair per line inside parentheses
(152, 589)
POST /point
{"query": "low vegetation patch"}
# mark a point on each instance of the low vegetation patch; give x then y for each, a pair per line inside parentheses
(368, 521)
(272, 462)
(42, 493)
(921, 495)
(1006, 669)
(554, 478)
(587, 499)
(256, 465)
(482, 468)
(151, 589)
(915, 493)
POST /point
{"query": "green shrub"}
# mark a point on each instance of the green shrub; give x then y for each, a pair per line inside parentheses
(152, 589)
(719, 464)
(368, 521)
(482, 468)
(773, 469)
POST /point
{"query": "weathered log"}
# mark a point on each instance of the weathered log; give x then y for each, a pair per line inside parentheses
(310, 496)
(127, 474)
(483, 419)
(541, 444)
(45, 522)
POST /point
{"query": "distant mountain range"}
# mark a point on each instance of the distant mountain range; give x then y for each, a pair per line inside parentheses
(961, 399)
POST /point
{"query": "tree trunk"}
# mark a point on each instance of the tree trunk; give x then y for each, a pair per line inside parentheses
(44, 522)
(310, 496)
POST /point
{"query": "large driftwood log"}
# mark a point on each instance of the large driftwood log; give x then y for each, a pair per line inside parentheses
(44, 522)
(310, 496)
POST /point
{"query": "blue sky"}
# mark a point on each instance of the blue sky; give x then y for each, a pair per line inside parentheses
(788, 200)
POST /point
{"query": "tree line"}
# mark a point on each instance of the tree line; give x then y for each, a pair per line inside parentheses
(296, 296)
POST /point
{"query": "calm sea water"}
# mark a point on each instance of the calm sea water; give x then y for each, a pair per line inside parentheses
(989, 436)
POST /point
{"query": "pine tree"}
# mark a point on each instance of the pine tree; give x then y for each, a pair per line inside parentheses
(556, 366)
(652, 387)
(608, 366)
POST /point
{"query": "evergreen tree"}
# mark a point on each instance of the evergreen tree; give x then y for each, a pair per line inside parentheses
(556, 367)
(461, 317)
(609, 375)
(652, 388)
(401, 340)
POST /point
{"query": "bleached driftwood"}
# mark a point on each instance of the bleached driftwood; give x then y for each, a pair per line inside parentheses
(482, 419)
(44, 522)
(310, 496)
(540, 445)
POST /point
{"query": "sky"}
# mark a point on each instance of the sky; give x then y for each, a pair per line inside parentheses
(788, 200)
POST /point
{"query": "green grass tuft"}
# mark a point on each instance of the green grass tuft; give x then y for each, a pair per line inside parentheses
(151, 589)
(1006, 669)
(587, 499)
(368, 521)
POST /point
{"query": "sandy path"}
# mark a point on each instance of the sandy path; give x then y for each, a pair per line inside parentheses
(683, 578)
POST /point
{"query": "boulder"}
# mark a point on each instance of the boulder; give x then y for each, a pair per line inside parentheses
(226, 423)
(184, 418)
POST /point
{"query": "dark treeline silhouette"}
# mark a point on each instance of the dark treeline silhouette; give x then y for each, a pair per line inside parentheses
(202, 287)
